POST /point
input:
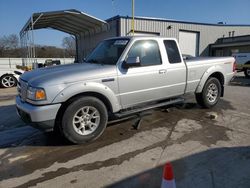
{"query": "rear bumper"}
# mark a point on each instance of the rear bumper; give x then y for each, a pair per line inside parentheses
(229, 77)
(41, 117)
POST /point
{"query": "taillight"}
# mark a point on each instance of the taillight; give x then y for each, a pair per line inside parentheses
(234, 66)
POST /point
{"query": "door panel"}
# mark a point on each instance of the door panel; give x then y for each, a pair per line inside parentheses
(146, 82)
(142, 84)
(176, 70)
(155, 79)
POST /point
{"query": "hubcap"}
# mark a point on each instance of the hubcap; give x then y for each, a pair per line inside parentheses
(8, 81)
(86, 120)
(212, 92)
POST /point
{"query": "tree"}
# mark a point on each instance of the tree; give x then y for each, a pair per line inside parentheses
(9, 46)
(69, 44)
(49, 52)
(10, 41)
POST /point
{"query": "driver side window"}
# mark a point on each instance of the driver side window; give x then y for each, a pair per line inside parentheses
(148, 52)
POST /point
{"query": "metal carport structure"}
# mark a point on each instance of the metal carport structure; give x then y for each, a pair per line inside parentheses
(70, 21)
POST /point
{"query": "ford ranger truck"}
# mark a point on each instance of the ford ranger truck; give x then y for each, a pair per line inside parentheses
(122, 76)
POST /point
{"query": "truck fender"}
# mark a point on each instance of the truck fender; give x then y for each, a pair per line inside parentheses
(207, 74)
(81, 88)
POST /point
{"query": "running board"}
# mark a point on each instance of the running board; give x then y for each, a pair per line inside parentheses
(149, 107)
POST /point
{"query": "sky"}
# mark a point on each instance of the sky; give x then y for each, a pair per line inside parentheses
(15, 13)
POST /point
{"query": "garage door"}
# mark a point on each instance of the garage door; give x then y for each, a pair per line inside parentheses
(189, 43)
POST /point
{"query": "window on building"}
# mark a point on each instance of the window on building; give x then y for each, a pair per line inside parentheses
(148, 52)
(172, 51)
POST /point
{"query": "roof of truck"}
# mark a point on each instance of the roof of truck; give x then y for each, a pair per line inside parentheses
(138, 36)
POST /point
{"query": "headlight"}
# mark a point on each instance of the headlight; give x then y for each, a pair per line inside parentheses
(36, 94)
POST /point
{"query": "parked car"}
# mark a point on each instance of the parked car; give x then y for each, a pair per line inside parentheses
(121, 77)
(243, 63)
(9, 77)
(50, 62)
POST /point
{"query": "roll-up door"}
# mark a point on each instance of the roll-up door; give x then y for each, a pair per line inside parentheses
(189, 43)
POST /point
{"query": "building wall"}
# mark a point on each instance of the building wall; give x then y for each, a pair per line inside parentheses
(121, 26)
(208, 33)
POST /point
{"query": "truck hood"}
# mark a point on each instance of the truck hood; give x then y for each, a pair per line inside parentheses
(65, 74)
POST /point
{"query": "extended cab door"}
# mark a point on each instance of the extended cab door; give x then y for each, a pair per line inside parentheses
(175, 79)
(146, 82)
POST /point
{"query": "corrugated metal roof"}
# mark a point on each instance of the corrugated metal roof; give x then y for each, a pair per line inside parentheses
(70, 21)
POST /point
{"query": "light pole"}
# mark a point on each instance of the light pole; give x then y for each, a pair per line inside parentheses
(133, 17)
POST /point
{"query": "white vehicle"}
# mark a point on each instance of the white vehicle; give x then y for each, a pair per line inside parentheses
(9, 77)
(243, 63)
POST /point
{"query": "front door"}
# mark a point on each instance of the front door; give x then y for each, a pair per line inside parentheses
(146, 82)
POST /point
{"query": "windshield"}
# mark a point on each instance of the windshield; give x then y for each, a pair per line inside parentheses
(108, 51)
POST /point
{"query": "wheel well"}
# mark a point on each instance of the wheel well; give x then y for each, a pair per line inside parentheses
(220, 77)
(6, 74)
(73, 98)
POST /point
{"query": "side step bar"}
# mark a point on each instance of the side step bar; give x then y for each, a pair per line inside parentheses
(149, 107)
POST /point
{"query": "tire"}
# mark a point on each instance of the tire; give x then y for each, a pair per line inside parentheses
(84, 120)
(247, 72)
(210, 94)
(7, 81)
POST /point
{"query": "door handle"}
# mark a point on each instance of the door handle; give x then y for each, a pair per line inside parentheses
(162, 71)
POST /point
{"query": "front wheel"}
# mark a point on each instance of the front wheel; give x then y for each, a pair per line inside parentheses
(210, 94)
(7, 81)
(84, 120)
(247, 72)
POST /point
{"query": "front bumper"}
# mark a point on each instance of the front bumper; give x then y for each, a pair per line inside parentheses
(41, 117)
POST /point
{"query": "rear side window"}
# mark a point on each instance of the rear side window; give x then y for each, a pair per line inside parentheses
(172, 51)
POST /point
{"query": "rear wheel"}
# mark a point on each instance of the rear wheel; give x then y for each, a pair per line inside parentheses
(84, 120)
(247, 72)
(7, 81)
(210, 94)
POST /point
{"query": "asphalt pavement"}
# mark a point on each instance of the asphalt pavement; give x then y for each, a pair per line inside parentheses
(207, 148)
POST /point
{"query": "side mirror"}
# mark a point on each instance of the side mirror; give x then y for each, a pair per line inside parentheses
(132, 62)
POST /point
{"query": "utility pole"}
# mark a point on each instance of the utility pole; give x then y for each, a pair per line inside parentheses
(133, 17)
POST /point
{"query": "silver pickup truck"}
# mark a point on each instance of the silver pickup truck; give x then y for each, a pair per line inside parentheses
(122, 76)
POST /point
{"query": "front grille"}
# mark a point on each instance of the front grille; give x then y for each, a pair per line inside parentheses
(22, 88)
